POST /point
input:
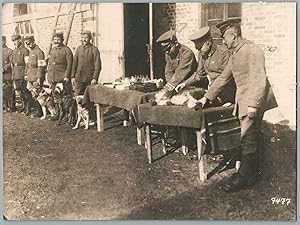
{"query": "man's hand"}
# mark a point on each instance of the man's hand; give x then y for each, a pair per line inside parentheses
(66, 79)
(73, 81)
(252, 112)
(93, 82)
(179, 87)
(38, 81)
(25, 77)
(202, 102)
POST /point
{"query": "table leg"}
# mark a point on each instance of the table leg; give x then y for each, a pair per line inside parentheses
(100, 119)
(201, 156)
(140, 134)
(126, 120)
(184, 140)
(149, 143)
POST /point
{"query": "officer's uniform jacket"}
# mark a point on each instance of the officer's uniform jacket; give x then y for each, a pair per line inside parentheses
(213, 65)
(60, 63)
(36, 64)
(86, 63)
(19, 58)
(6, 63)
(247, 66)
(179, 68)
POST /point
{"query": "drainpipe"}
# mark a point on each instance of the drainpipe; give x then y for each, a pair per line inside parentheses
(151, 39)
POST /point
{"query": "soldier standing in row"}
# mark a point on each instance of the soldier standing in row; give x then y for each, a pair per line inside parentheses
(59, 65)
(7, 71)
(35, 75)
(86, 64)
(19, 59)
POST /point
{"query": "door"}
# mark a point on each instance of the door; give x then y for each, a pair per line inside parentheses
(136, 39)
(110, 40)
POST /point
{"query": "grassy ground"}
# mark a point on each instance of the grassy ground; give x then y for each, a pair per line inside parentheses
(56, 173)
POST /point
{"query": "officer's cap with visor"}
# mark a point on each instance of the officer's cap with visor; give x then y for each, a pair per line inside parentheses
(88, 32)
(201, 36)
(225, 25)
(167, 39)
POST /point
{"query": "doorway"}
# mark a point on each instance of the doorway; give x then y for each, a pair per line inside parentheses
(136, 38)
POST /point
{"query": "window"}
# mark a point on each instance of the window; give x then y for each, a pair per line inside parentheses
(21, 9)
(24, 28)
(214, 13)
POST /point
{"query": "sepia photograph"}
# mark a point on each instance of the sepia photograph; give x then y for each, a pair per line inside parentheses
(149, 111)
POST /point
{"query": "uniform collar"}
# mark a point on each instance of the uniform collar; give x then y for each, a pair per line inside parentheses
(239, 45)
(212, 50)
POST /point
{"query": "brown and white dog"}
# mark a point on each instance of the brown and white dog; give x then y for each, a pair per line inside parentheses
(82, 113)
(46, 101)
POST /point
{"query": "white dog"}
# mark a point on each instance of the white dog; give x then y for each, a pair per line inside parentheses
(82, 113)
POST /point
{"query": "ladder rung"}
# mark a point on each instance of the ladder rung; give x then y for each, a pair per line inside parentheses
(60, 27)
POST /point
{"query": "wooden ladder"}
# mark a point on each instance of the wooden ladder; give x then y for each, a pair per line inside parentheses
(67, 28)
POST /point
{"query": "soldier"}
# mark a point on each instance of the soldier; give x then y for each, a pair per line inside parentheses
(35, 75)
(7, 72)
(212, 61)
(19, 59)
(86, 64)
(59, 65)
(253, 97)
(180, 61)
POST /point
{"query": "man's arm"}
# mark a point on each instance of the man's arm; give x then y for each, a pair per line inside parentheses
(41, 65)
(220, 82)
(75, 63)
(97, 64)
(257, 77)
(69, 59)
(183, 69)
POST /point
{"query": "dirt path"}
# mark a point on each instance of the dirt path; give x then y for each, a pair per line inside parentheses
(56, 173)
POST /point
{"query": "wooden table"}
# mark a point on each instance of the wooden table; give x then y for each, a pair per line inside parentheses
(128, 100)
(209, 123)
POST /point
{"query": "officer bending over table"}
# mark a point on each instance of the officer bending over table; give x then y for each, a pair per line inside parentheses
(212, 61)
(180, 61)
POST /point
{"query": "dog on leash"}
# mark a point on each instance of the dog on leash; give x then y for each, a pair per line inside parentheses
(67, 105)
(45, 100)
(82, 113)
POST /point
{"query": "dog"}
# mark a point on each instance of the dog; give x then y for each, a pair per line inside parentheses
(187, 96)
(82, 113)
(7, 95)
(45, 100)
(67, 105)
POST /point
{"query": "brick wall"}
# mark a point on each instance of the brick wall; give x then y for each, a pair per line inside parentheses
(273, 27)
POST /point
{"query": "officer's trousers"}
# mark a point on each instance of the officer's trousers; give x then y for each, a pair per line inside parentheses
(251, 145)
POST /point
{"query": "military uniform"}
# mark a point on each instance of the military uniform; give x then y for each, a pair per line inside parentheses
(19, 59)
(213, 65)
(7, 72)
(247, 66)
(86, 66)
(179, 68)
(36, 66)
(60, 64)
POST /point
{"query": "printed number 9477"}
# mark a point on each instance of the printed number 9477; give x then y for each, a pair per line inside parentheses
(277, 201)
